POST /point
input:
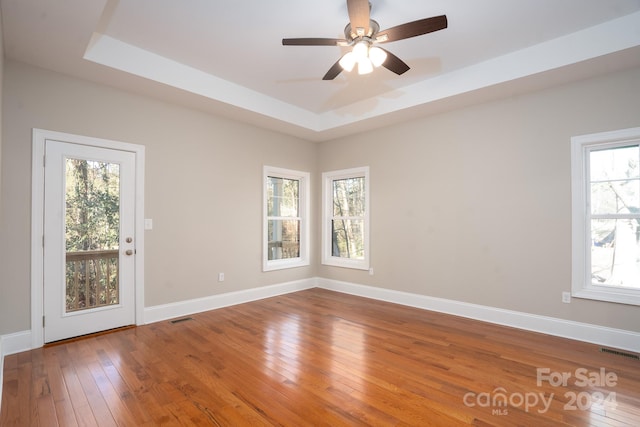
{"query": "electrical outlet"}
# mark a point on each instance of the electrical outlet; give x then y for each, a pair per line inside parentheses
(220, 277)
(371, 271)
(566, 297)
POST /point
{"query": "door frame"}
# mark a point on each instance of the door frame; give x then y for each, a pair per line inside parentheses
(39, 136)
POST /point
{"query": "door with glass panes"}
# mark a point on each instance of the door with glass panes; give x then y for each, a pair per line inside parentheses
(89, 241)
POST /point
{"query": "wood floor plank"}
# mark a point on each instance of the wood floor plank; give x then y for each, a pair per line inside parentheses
(119, 411)
(60, 392)
(25, 399)
(318, 358)
(98, 405)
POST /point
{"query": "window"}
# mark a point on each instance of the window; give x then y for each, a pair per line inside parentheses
(286, 224)
(605, 171)
(345, 218)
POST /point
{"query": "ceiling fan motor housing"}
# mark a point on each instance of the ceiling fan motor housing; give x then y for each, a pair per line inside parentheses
(370, 33)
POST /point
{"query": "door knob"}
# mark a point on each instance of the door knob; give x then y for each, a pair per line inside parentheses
(129, 252)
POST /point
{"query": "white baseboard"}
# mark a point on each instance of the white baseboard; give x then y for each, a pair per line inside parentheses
(11, 344)
(21, 341)
(1, 372)
(15, 343)
(183, 308)
(610, 337)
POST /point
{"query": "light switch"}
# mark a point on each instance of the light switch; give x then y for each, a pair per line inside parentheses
(148, 224)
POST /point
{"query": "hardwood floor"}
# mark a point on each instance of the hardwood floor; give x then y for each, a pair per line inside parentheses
(321, 358)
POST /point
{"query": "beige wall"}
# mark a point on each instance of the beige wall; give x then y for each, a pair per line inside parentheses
(3, 294)
(475, 205)
(1, 86)
(472, 205)
(203, 186)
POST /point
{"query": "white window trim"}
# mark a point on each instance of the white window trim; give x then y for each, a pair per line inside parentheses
(581, 285)
(327, 215)
(304, 197)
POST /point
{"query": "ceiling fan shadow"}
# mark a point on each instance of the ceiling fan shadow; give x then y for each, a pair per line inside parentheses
(300, 80)
(425, 67)
(358, 93)
(361, 94)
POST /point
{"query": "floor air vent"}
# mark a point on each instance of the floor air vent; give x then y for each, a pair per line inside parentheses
(620, 353)
(184, 319)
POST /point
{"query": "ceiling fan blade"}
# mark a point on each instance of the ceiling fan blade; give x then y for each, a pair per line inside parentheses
(333, 71)
(412, 29)
(395, 64)
(313, 42)
(359, 16)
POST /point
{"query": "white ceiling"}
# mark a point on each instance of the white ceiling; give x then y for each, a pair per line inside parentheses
(226, 57)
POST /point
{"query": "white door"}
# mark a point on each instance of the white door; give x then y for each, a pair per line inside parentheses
(89, 241)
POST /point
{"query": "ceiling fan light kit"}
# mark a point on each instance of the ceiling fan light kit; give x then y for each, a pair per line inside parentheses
(363, 33)
(377, 56)
(366, 56)
(365, 66)
(348, 61)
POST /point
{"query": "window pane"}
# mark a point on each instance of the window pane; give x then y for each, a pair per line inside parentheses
(347, 238)
(615, 252)
(615, 197)
(282, 197)
(614, 163)
(348, 197)
(92, 230)
(284, 239)
(92, 197)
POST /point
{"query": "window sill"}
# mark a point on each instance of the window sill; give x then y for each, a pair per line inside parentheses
(346, 263)
(617, 295)
(284, 264)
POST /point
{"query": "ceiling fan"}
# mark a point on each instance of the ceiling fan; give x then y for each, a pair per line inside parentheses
(363, 33)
